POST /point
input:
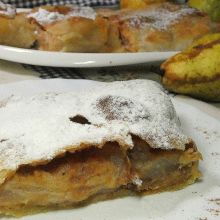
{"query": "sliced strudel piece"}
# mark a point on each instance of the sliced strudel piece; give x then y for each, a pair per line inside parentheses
(162, 27)
(15, 30)
(59, 150)
(70, 29)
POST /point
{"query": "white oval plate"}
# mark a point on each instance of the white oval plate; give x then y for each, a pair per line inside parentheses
(199, 201)
(61, 59)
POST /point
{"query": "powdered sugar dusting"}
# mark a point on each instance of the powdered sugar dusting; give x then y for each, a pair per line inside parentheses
(39, 127)
(44, 17)
(159, 18)
(7, 10)
(85, 12)
(137, 181)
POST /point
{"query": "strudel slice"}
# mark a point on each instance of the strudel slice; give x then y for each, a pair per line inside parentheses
(162, 27)
(69, 29)
(59, 150)
(15, 29)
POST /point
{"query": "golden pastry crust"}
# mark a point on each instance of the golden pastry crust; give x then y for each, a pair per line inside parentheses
(17, 31)
(114, 42)
(162, 27)
(159, 27)
(73, 31)
(86, 36)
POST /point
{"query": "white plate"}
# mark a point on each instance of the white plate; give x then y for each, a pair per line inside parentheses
(192, 203)
(61, 59)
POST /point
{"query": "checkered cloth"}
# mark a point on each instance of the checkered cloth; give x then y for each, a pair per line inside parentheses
(99, 74)
(35, 3)
(55, 72)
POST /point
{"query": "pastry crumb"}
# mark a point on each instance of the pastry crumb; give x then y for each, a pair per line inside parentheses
(215, 212)
(216, 201)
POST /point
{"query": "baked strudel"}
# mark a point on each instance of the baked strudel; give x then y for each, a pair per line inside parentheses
(15, 29)
(161, 27)
(69, 29)
(59, 150)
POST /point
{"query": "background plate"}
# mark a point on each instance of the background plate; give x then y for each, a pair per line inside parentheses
(61, 59)
(200, 201)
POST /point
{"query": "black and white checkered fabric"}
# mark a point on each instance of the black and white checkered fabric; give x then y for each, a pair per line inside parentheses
(99, 74)
(35, 3)
(55, 72)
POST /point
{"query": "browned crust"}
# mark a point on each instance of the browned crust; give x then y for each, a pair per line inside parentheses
(177, 36)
